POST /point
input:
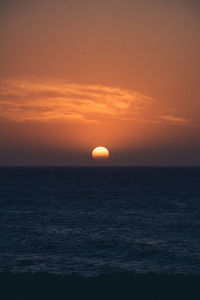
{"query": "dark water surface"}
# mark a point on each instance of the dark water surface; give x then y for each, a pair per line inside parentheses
(91, 221)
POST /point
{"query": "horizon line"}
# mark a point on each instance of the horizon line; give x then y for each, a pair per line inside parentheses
(99, 166)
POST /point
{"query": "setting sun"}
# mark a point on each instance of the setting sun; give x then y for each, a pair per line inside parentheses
(100, 152)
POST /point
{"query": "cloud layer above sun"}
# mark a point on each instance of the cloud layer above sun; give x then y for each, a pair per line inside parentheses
(56, 100)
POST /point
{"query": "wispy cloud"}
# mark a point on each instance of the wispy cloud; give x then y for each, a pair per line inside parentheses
(55, 100)
(46, 100)
(176, 119)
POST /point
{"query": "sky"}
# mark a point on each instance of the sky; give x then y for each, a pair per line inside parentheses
(79, 74)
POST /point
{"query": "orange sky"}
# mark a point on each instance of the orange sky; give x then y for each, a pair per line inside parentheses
(79, 74)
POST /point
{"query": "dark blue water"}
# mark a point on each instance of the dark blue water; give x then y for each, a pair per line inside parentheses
(98, 220)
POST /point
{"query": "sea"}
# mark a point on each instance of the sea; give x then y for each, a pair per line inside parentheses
(90, 221)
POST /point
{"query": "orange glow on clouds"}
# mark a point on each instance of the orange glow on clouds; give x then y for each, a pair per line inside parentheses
(59, 101)
(55, 100)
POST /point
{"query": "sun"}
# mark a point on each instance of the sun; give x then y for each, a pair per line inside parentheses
(100, 152)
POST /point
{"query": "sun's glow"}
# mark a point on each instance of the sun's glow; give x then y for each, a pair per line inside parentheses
(100, 152)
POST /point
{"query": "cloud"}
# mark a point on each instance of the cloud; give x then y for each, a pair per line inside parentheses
(57, 100)
(176, 119)
(45, 100)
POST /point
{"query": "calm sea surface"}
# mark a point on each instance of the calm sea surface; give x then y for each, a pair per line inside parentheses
(97, 220)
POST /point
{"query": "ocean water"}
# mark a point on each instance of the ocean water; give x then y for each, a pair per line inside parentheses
(98, 220)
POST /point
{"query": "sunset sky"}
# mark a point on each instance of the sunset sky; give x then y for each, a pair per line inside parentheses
(124, 74)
